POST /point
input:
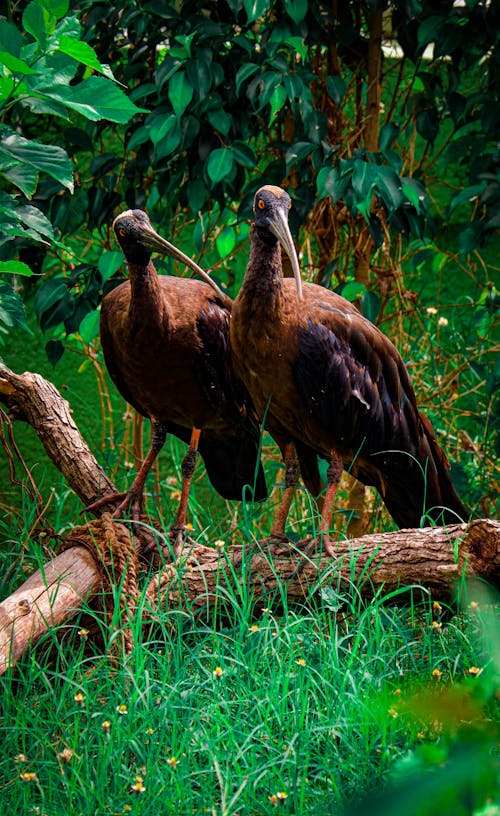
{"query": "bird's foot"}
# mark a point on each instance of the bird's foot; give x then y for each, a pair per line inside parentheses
(179, 538)
(328, 544)
(275, 538)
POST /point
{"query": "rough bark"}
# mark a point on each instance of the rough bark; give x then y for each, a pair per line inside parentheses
(31, 398)
(436, 559)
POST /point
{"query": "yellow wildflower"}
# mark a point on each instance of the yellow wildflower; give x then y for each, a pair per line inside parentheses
(28, 776)
(138, 786)
(172, 761)
(436, 673)
(122, 709)
(254, 628)
(79, 697)
(217, 672)
(301, 662)
(106, 725)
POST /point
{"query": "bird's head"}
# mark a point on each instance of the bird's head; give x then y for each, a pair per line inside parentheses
(138, 240)
(271, 205)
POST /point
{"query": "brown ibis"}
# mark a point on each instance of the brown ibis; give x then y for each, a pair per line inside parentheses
(166, 347)
(330, 384)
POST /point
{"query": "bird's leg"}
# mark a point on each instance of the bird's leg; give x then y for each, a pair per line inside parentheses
(291, 463)
(187, 469)
(134, 494)
(333, 475)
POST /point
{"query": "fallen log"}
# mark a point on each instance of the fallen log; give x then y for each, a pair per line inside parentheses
(436, 559)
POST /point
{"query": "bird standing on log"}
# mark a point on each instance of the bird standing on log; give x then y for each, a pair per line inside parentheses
(331, 384)
(166, 347)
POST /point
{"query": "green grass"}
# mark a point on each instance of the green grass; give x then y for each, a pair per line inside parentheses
(320, 704)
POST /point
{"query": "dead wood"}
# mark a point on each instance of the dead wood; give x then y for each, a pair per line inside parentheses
(436, 559)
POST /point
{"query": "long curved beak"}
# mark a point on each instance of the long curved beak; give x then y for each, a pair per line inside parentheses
(156, 243)
(279, 227)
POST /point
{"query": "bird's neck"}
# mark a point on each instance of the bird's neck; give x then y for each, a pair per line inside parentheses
(263, 281)
(146, 297)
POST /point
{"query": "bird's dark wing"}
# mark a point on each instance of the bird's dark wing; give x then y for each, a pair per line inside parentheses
(354, 382)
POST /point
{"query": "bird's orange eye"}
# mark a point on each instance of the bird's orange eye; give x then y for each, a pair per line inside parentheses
(121, 232)
(261, 204)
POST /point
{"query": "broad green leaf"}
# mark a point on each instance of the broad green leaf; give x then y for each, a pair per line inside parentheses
(54, 350)
(57, 8)
(297, 152)
(364, 177)
(220, 120)
(163, 127)
(429, 30)
(220, 164)
(12, 312)
(370, 305)
(296, 9)
(109, 263)
(15, 65)
(6, 88)
(244, 154)
(336, 88)
(89, 326)
(180, 92)
(414, 192)
(255, 8)
(388, 187)
(95, 98)
(245, 72)
(10, 38)
(353, 290)
(467, 195)
(15, 268)
(325, 182)
(225, 241)
(388, 133)
(36, 220)
(196, 194)
(48, 159)
(277, 100)
(22, 176)
(38, 22)
(82, 52)
(200, 76)
(171, 138)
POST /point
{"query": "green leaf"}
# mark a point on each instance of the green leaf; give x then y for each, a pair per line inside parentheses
(57, 8)
(89, 326)
(38, 22)
(10, 38)
(15, 65)
(82, 52)
(297, 152)
(196, 194)
(95, 98)
(109, 263)
(467, 195)
(353, 291)
(200, 76)
(15, 268)
(166, 135)
(36, 220)
(388, 187)
(220, 120)
(48, 159)
(6, 88)
(414, 192)
(370, 305)
(54, 350)
(255, 8)
(296, 9)
(336, 88)
(277, 100)
(225, 241)
(325, 182)
(364, 177)
(388, 133)
(22, 176)
(244, 154)
(245, 72)
(12, 312)
(180, 92)
(220, 164)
